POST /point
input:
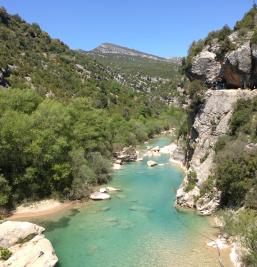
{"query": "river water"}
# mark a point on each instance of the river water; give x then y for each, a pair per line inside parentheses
(138, 227)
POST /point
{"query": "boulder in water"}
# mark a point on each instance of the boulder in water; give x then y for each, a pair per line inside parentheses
(100, 196)
(112, 189)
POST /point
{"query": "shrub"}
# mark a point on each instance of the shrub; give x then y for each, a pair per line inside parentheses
(241, 115)
(220, 144)
(243, 223)
(226, 46)
(207, 186)
(235, 176)
(192, 180)
(254, 38)
(204, 157)
(26, 239)
(5, 253)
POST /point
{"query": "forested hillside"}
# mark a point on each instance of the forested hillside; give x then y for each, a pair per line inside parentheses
(144, 72)
(63, 115)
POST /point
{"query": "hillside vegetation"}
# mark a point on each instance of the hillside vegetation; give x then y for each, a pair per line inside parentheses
(144, 72)
(63, 115)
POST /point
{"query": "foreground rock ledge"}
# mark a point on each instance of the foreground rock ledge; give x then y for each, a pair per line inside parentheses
(28, 245)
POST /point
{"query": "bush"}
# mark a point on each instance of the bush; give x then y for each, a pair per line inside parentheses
(5, 253)
(226, 46)
(204, 157)
(254, 38)
(242, 116)
(220, 144)
(243, 223)
(192, 180)
(235, 176)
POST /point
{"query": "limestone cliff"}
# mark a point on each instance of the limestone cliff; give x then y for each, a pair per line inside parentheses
(211, 122)
(227, 58)
(27, 244)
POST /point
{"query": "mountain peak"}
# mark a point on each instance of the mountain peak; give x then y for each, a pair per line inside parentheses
(109, 48)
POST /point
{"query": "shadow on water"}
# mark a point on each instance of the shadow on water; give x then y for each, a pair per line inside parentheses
(63, 222)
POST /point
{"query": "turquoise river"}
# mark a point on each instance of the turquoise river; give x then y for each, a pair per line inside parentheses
(138, 227)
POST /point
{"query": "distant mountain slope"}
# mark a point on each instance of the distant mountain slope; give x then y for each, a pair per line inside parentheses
(131, 61)
(108, 48)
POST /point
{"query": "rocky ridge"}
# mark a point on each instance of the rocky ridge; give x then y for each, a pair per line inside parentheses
(211, 122)
(108, 48)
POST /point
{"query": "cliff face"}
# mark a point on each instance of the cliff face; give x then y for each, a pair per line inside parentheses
(211, 122)
(236, 69)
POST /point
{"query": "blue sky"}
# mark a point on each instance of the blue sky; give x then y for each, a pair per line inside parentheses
(161, 27)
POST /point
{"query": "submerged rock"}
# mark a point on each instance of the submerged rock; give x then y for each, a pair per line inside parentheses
(112, 189)
(151, 163)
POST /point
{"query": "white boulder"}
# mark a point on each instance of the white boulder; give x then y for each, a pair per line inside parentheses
(12, 232)
(38, 252)
(99, 196)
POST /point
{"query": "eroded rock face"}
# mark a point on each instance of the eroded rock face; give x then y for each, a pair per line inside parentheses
(205, 67)
(28, 245)
(211, 122)
(237, 68)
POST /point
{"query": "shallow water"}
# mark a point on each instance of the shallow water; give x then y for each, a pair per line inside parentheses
(138, 227)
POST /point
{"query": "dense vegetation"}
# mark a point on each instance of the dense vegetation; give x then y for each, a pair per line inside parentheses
(138, 65)
(160, 77)
(236, 158)
(244, 224)
(63, 116)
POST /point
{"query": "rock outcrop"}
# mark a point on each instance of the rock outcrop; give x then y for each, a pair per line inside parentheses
(235, 69)
(211, 122)
(128, 154)
(27, 244)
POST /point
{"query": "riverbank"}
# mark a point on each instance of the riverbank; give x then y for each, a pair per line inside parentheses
(124, 214)
(51, 206)
(41, 208)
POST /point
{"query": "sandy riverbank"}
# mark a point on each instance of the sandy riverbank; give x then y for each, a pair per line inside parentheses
(41, 208)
